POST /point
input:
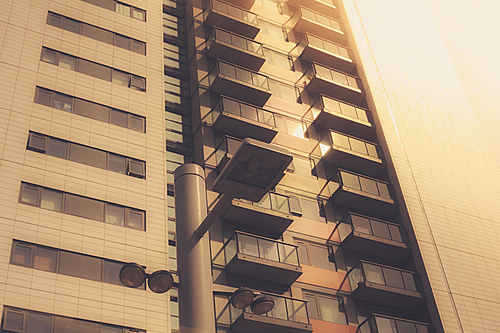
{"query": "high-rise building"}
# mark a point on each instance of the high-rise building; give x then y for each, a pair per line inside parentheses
(385, 221)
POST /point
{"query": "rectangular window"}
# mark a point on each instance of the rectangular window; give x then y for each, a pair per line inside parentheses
(81, 206)
(81, 266)
(87, 155)
(316, 255)
(326, 308)
(94, 69)
(89, 109)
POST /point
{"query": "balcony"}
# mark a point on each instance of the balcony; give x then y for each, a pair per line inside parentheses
(382, 324)
(306, 20)
(383, 284)
(349, 152)
(372, 236)
(272, 213)
(328, 81)
(222, 44)
(260, 258)
(288, 316)
(225, 151)
(242, 120)
(313, 48)
(232, 18)
(322, 6)
(360, 192)
(239, 83)
(245, 4)
(341, 116)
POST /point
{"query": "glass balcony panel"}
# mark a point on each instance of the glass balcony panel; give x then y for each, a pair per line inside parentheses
(368, 185)
(219, 6)
(361, 115)
(282, 203)
(355, 277)
(248, 245)
(409, 281)
(344, 53)
(344, 230)
(372, 150)
(244, 75)
(239, 42)
(348, 110)
(361, 224)
(383, 190)
(266, 117)
(393, 278)
(226, 69)
(236, 12)
(335, 25)
(340, 140)
(373, 273)
(265, 202)
(339, 77)
(380, 229)
(279, 310)
(230, 249)
(249, 112)
(322, 71)
(422, 329)
(288, 254)
(231, 106)
(350, 180)
(352, 82)
(287, 93)
(315, 41)
(405, 327)
(223, 36)
(308, 14)
(268, 250)
(332, 104)
(358, 146)
(324, 20)
(385, 325)
(395, 233)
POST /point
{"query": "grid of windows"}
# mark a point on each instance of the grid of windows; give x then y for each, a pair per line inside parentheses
(27, 321)
(93, 69)
(120, 8)
(89, 109)
(86, 155)
(96, 33)
(81, 206)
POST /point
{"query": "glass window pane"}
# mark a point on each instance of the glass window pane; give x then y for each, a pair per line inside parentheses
(51, 200)
(248, 245)
(138, 47)
(49, 56)
(111, 274)
(350, 180)
(361, 224)
(368, 185)
(137, 123)
(383, 190)
(118, 118)
(43, 96)
(63, 102)
(330, 310)
(381, 229)
(81, 266)
(68, 62)
(55, 20)
(409, 281)
(71, 25)
(117, 163)
(137, 83)
(136, 168)
(393, 278)
(97, 33)
(91, 110)
(135, 220)
(123, 9)
(94, 69)
(303, 257)
(138, 14)
(14, 321)
(312, 306)
(122, 41)
(373, 273)
(87, 155)
(30, 195)
(395, 233)
(320, 257)
(348, 110)
(84, 207)
(38, 323)
(22, 254)
(358, 146)
(115, 214)
(341, 140)
(120, 78)
(45, 259)
(58, 148)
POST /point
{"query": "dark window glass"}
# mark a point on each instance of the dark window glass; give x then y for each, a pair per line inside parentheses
(95, 70)
(70, 325)
(108, 4)
(312, 306)
(37, 142)
(55, 20)
(91, 110)
(13, 321)
(49, 56)
(81, 266)
(97, 33)
(117, 163)
(87, 155)
(63, 102)
(68, 62)
(393, 278)
(58, 148)
(120, 78)
(138, 83)
(320, 257)
(22, 254)
(30, 195)
(45, 259)
(137, 123)
(122, 41)
(135, 219)
(51, 200)
(43, 96)
(138, 47)
(84, 207)
(380, 229)
(115, 214)
(38, 323)
(111, 329)
(71, 25)
(136, 168)
(118, 118)
(110, 274)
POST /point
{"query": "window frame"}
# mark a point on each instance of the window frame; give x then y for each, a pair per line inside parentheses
(307, 245)
(316, 297)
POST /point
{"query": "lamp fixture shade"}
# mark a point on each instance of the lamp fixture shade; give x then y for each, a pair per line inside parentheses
(242, 298)
(132, 275)
(262, 305)
(160, 281)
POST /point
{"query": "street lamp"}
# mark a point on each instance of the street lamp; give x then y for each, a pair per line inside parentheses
(134, 275)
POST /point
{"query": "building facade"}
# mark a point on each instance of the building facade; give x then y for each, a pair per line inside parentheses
(384, 222)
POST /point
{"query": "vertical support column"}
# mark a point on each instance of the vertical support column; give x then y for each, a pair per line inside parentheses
(196, 304)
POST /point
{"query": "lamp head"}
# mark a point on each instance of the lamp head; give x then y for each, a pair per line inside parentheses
(242, 298)
(160, 281)
(262, 305)
(132, 275)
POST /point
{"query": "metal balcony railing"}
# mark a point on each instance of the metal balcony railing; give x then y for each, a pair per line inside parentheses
(382, 324)
(360, 183)
(238, 73)
(369, 226)
(350, 143)
(315, 17)
(231, 10)
(323, 44)
(244, 110)
(230, 38)
(228, 146)
(332, 74)
(331, 105)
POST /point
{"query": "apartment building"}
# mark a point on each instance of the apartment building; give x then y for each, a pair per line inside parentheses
(385, 221)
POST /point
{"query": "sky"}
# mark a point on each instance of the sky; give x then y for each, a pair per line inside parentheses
(471, 32)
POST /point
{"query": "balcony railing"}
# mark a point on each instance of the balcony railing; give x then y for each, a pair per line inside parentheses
(273, 201)
(231, 17)
(258, 247)
(308, 20)
(225, 150)
(354, 144)
(331, 105)
(241, 42)
(231, 10)
(313, 48)
(315, 17)
(368, 226)
(364, 184)
(367, 272)
(244, 110)
(239, 73)
(383, 324)
(332, 75)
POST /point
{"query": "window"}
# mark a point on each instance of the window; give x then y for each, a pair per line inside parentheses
(120, 8)
(273, 30)
(326, 308)
(81, 206)
(279, 59)
(93, 69)
(86, 155)
(27, 321)
(316, 255)
(284, 90)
